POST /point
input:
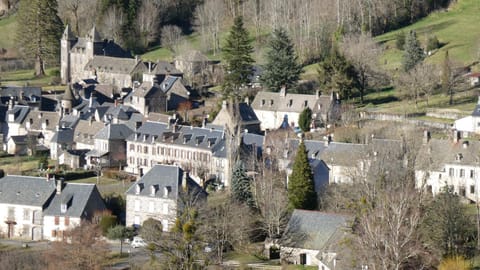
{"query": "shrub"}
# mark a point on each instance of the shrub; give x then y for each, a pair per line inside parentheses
(107, 222)
(400, 40)
(432, 43)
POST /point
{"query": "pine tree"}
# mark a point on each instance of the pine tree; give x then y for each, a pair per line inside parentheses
(305, 119)
(39, 32)
(413, 53)
(241, 185)
(237, 55)
(301, 187)
(282, 68)
(337, 74)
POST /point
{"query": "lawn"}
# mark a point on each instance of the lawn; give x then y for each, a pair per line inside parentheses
(18, 164)
(7, 29)
(456, 28)
(27, 77)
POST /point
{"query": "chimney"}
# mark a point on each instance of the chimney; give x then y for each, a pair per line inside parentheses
(90, 101)
(318, 94)
(247, 100)
(426, 136)
(329, 140)
(184, 180)
(204, 122)
(283, 91)
(224, 104)
(59, 183)
(149, 67)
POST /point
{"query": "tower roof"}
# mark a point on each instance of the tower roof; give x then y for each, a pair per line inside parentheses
(94, 35)
(67, 33)
(68, 95)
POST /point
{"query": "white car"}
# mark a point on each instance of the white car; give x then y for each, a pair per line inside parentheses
(138, 242)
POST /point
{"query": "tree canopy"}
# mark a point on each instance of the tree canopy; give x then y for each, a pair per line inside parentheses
(238, 60)
(39, 32)
(301, 187)
(241, 185)
(305, 119)
(413, 53)
(282, 68)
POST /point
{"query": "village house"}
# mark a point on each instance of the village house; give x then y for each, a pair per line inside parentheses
(315, 238)
(158, 95)
(275, 110)
(449, 165)
(31, 206)
(239, 115)
(201, 151)
(469, 124)
(158, 195)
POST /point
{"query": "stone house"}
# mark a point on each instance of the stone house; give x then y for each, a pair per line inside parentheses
(110, 146)
(155, 96)
(31, 206)
(201, 151)
(315, 238)
(241, 115)
(449, 164)
(158, 194)
(42, 122)
(70, 204)
(61, 141)
(275, 110)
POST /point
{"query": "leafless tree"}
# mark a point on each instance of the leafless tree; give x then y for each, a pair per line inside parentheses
(171, 37)
(81, 14)
(209, 18)
(113, 21)
(148, 20)
(22, 259)
(422, 80)
(363, 52)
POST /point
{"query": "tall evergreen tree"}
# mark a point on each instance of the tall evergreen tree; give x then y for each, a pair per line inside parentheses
(337, 74)
(237, 55)
(282, 68)
(39, 32)
(305, 119)
(413, 53)
(301, 187)
(241, 185)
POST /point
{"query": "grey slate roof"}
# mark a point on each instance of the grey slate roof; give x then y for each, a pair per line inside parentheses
(20, 112)
(114, 132)
(85, 131)
(161, 177)
(270, 101)
(63, 135)
(77, 197)
(344, 153)
(435, 154)
(165, 68)
(312, 229)
(36, 118)
(112, 64)
(202, 138)
(14, 91)
(25, 190)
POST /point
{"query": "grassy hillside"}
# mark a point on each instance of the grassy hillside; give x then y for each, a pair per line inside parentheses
(7, 32)
(458, 28)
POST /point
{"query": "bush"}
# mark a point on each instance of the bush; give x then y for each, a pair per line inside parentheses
(54, 72)
(432, 43)
(400, 40)
(107, 222)
(454, 263)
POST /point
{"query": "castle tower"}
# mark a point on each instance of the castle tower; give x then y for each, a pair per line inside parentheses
(93, 39)
(68, 100)
(66, 44)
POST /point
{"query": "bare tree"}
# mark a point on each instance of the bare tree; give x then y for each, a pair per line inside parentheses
(363, 52)
(422, 80)
(148, 20)
(209, 17)
(171, 37)
(113, 21)
(81, 14)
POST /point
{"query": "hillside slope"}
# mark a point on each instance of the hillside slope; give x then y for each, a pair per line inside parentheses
(458, 28)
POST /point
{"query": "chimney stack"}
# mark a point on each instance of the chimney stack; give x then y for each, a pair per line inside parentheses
(456, 136)
(184, 180)
(59, 183)
(426, 136)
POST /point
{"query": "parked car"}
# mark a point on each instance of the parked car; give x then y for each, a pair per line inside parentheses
(138, 242)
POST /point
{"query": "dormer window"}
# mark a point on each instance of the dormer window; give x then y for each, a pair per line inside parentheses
(138, 189)
(271, 102)
(290, 103)
(459, 157)
(153, 190)
(263, 102)
(305, 103)
(166, 191)
(47, 122)
(63, 208)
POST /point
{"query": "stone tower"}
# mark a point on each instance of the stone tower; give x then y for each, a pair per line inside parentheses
(68, 100)
(68, 39)
(93, 40)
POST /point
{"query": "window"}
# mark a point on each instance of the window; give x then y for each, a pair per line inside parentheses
(26, 214)
(54, 233)
(472, 189)
(67, 221)
(136, 205)
(462, 191)
(145, 162)
(165, 209)
(451, 172)
(139, 148)
(462, 173)
(131, 147)
(153, 151)
(471, 174)
(151, 207)
(57, 220)
(263, 102)
(145, 149)
(305, 103)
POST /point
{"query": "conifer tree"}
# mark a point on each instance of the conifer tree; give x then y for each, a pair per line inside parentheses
(237, 55)
(241, 185)
(413, 53)
(301, 187)
(282, 68)
(305, 119)
(39, 32)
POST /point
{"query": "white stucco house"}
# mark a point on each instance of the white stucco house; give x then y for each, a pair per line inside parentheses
(469, 124)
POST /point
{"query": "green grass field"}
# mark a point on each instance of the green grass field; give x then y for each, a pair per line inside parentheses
(7, 32)
(457, 28)
(26, 77)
